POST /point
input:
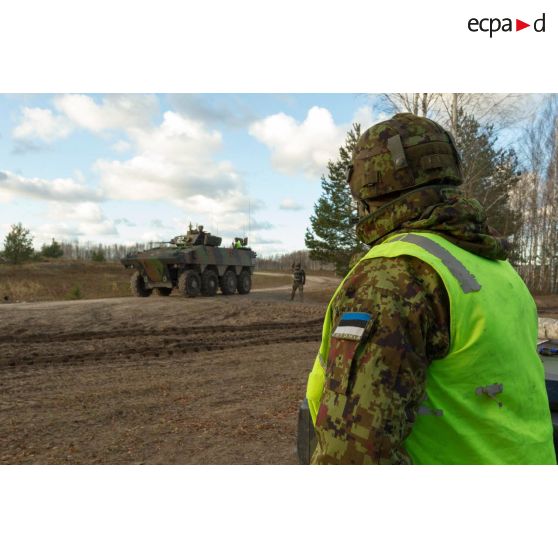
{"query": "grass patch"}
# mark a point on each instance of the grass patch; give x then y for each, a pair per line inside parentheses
(74, 293)
(74, 280)
(270, 281)
(63, 280)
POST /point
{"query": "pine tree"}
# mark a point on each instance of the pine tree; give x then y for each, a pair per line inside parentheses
(98, 255)
(332, 236)
(490, 173)
(18, 245)
(53, 250)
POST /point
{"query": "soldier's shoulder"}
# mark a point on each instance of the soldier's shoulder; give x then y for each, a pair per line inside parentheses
(389, 283)
(391, 275)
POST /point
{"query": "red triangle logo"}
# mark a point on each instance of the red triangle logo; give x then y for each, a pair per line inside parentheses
(519, 25)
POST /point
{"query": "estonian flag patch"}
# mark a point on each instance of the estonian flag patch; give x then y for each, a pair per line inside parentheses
(352, 325)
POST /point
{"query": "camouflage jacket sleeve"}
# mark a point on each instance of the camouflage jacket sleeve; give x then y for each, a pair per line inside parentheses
(374, 386)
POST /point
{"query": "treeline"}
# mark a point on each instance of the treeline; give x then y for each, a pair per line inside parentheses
(518, 188)
(535, 202)
(284, 262)
(509, 153)
(109, 252)
(18, 248)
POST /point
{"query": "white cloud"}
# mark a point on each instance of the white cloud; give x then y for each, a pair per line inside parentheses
(121, 146)
(153, 236)
(113, 112)
(41, 124)
(173, 161)
(288, 204)
(157, 223)
(229, 110)
(233, 201)
(266, 246)
(68, 231)
(126, 112)
(58, 189)
(4, 230)
(80, 177)
(230, 224)
(88, 212)
(241, 224)
(364, 116)
(258, 241)
(70, 220)
(176, 161)
(299, 147)
(305, 146)
(125, 222)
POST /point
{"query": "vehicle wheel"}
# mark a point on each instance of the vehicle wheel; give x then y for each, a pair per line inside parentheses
(137, 284)
(244, 282)
(163, 291)
(228, 282)
(189, 283)
(209, 283)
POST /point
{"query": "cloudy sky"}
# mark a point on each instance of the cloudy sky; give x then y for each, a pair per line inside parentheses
(127, 168)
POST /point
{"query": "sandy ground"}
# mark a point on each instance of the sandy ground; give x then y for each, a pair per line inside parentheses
(157, 380)
(160, 380)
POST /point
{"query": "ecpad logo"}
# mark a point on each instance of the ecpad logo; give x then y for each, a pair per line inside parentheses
(493, 25)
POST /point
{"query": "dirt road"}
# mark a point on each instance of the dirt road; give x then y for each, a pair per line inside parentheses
(157, 380)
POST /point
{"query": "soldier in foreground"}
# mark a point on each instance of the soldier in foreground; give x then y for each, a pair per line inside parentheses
(428, 352)
(299, 279)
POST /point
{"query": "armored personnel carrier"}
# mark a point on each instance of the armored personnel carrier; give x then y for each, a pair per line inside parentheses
(194, 264)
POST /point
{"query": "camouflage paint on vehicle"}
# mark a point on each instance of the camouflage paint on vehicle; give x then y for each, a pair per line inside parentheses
(155, 262)
(197, 250)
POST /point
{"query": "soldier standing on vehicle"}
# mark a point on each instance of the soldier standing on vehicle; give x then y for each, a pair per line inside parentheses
(299, 279)
(428, 352)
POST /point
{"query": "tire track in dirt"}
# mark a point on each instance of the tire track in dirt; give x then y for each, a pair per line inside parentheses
(183, 331)
(71, 349)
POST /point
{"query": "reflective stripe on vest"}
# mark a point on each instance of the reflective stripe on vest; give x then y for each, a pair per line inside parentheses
(466, 280)
(492, 343)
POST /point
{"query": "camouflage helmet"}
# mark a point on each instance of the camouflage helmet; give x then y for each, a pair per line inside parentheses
(404, 152)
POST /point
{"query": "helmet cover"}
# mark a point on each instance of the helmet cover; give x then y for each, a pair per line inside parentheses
(402, 153)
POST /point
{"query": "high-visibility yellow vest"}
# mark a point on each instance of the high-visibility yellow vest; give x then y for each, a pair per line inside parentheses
(486, 400)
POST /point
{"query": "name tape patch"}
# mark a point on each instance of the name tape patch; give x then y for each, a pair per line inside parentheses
(352, 325)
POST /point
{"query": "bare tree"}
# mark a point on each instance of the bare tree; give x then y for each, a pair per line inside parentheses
(284, 262)
(501, 110)
(524, 208)
(536, 197)
(421, 104)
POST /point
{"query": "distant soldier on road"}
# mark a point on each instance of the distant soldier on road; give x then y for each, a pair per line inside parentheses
(299, 278)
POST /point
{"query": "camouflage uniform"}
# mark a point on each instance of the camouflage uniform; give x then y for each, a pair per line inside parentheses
(299, 278)
(410, 310)
(409, 328)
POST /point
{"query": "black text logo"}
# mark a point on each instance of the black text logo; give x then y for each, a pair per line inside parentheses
(493, 25)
